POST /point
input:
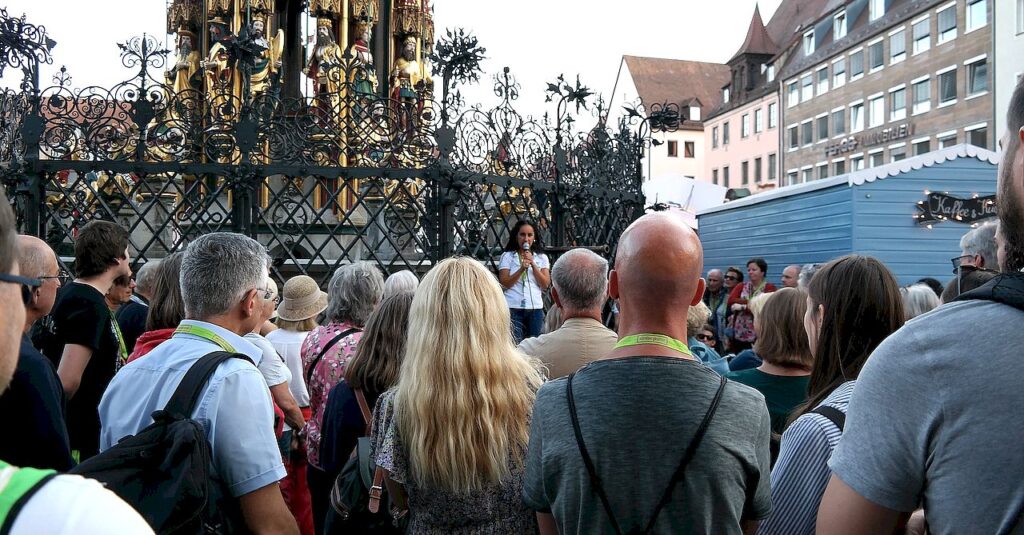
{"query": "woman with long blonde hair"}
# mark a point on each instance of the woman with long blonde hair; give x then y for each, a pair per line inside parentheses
(453, 433)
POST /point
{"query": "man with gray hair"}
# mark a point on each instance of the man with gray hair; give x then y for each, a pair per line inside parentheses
(978, 247)
(131, 317)
(224, 288)
(579, 287)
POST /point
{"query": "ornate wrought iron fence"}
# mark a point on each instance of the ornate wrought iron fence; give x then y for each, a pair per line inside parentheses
(340, 176)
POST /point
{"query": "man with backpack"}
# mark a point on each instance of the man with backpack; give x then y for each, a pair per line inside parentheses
(223, 286)
(660, 443)
(39, 501)
(935, 417)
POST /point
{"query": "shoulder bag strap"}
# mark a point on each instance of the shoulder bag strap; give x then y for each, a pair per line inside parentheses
(834, 415)
(595, 480)
(184, 399)
(316, 360)
(365, 409)
(17, 486)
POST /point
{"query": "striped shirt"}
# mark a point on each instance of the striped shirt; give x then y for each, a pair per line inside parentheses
(801, 472)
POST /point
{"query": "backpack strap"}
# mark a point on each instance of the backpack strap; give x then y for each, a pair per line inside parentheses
(185, 397)
(365, 409)
(17, 486)
(834, 415)
(316, 360)
(1005, 288)
(666, 497)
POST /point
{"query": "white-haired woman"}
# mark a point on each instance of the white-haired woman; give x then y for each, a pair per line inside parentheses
(918, 299)
(453, 433)
(400, 282)
(352, 294)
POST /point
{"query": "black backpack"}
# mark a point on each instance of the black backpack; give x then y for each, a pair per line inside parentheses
(166, 471)
(1005, 288)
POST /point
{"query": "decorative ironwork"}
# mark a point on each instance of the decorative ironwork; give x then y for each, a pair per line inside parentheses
(23, 46)
(341, 175)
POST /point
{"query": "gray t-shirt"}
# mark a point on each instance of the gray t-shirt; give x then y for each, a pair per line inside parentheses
(638, 415)
(948, 388)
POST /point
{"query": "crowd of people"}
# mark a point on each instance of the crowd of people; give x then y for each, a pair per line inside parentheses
(839, 403)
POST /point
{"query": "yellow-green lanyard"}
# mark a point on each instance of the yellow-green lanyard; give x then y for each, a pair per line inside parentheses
(654, 339)
(123, 355)
(755, 291)
(205, 334)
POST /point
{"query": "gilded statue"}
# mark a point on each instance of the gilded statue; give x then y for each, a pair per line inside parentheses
(217, 66)
(362, 77)
(186, 75)
(407, 73)
(325, 66)
(268, 64)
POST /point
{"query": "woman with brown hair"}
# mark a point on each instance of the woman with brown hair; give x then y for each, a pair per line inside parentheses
(785, 356)
(853, 304)
(166, 308)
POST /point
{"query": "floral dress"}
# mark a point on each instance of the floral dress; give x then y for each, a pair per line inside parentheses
(329, 371)
(498, 509)
(743, 321)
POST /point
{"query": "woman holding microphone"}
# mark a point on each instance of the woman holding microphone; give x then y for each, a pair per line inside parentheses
(524, 273)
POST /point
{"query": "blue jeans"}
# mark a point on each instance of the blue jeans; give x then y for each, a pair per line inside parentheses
(526, 323)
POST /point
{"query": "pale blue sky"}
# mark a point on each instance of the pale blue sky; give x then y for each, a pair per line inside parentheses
(538, 39)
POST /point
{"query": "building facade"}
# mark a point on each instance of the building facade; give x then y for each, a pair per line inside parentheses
(1009, 65)
(875, 81)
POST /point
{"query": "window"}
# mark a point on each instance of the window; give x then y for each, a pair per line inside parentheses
(822, 128)
(947, 140)
(673, 149)
(809, 43)
(947, 87)
(978, 137)
(725, 176)
(790, 178)
(839, 72)
(725, 94)
(771, 73)
(897, 153)
(757, 170)
(714, 176)
(876, 111)
(745, 126)
(807, 133)
(773, 115)
(839, 26)
(758, 121)
(807, 88)
(793, 95)
(877, 9)
(725, 134)
(839, 168)
(977, 77)
(875, 159)
(856, 64)
(898, 47)
(823, 80)
(689, 149)
(898, 104)
(822, 171)
(947, 24)
(794, 137)
(857, 117)
(876, 53)
(923, 35)
(839, 122)
(922, 96)
(745, 173)
(714, 138)
(857, 163)
(977, 14)
(772, 164)
(806, 176)
(922, 147)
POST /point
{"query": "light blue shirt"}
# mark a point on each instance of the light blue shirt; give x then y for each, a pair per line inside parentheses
(235, 407)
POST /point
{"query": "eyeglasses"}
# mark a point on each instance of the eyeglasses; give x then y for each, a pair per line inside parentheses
(268, 294)
(704, 337)
(63, 278)
(959, 261)
(27, 285)
(731, 278)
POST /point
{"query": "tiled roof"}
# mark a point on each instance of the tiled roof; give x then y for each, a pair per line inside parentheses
(659, 80)
(793, 14)
(758, 41)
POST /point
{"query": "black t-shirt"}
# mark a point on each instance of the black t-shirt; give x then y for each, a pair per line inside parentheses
(80, 316)
(33, 407)
(132, 319)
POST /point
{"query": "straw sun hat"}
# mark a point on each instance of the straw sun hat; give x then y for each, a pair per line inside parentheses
(301, 299)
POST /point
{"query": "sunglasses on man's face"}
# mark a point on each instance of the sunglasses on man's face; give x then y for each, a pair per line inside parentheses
(705, 337)
(731, 278)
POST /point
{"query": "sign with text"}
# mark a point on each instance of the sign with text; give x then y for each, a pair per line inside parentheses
(939, 207)
(878, 137)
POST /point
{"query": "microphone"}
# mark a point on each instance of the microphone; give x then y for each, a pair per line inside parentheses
(526, 246)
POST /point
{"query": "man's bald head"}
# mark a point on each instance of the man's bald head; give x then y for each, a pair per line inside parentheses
(659, 262)
(35, 257)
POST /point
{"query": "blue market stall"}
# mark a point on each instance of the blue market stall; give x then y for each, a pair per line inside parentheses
(910, 214)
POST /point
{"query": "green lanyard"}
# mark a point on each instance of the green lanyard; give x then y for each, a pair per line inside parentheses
(654, 339)
(120, 342)
(205, 334)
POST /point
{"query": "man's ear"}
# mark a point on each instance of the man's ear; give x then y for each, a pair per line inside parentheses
(249, 303)
(613, 284)
(699, 296)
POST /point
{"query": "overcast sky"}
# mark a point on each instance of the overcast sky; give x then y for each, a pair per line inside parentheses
(537, 39)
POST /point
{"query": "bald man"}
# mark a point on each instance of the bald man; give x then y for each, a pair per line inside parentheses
(791, 277)
(640, 408)
(34, 404)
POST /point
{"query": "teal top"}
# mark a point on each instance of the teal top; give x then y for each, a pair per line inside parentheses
(782, 393)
